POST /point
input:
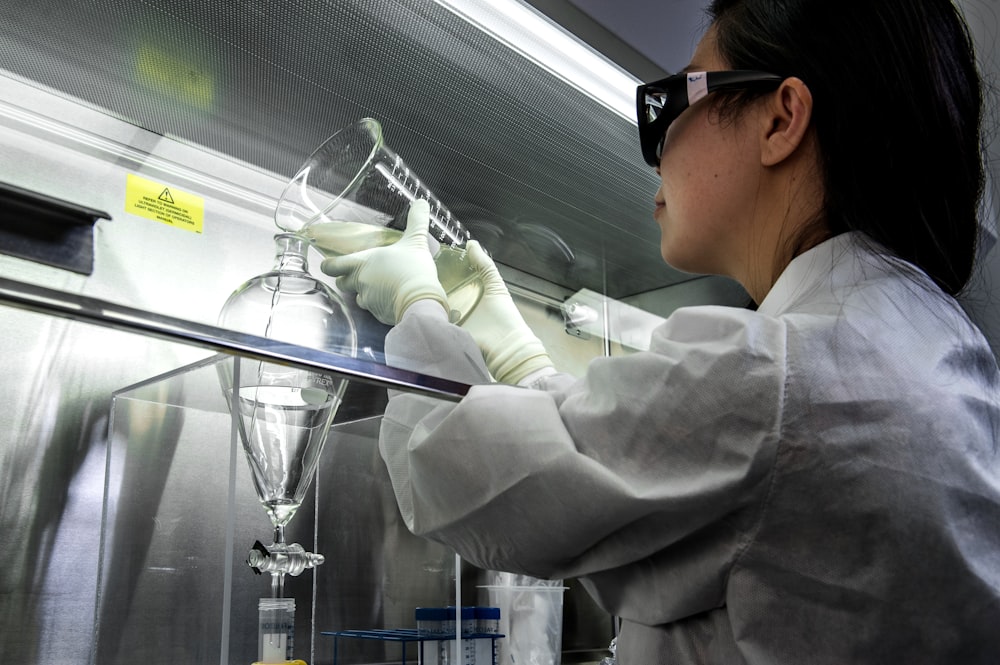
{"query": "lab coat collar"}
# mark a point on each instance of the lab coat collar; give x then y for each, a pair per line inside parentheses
(832, 263)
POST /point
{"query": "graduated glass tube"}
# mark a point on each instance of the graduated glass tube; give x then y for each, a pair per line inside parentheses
(353, 193)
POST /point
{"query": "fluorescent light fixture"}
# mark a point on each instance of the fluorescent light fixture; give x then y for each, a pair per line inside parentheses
(532, 34)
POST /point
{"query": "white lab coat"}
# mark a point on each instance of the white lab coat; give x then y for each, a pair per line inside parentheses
(814, 482)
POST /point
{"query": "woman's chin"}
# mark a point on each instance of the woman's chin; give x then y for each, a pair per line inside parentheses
(678, 260)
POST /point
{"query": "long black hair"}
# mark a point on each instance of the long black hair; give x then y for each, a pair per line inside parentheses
(898, 106)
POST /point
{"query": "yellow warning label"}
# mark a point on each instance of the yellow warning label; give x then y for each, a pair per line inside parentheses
(165, 204)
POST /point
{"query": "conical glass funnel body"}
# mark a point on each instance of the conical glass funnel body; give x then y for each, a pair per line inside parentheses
(283, 429)
(285, 412)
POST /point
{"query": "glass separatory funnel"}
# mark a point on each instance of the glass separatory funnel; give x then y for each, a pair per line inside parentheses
(285, 412)
(353, 193)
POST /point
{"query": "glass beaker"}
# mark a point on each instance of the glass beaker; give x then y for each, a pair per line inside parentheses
(285, 412)
(353, 193)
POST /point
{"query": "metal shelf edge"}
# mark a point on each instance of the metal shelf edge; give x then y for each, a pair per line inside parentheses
(104, 313)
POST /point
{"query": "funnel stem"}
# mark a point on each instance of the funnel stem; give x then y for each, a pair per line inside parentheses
(277, 585)
(278, 579)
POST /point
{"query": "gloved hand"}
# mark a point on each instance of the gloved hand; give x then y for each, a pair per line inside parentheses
(389, 279)
(510, 349)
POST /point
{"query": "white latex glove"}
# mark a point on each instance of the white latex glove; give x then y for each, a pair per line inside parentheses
(510, 349)
(389, 279)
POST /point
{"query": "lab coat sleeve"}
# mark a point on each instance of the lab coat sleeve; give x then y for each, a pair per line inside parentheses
(656, 459)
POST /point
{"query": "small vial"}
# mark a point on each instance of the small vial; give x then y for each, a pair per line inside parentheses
(487, 628)
(467, 626)
(430, 621)
(276, 630)
(467, 620)
(432, 626)
(487, 620)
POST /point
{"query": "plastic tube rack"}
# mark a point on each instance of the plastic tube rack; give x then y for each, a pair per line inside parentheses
(406, 635)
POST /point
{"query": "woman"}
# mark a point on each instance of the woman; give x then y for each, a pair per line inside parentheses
(815, 481)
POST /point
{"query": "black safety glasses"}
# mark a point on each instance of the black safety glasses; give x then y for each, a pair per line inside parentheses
(659, 103)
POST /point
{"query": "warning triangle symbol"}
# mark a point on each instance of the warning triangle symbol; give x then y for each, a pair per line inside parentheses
(165, 195)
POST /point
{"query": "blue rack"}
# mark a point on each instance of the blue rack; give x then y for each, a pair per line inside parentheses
(402, 635)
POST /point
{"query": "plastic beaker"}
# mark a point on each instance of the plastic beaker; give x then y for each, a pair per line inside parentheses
(353, 193)
(531, 618)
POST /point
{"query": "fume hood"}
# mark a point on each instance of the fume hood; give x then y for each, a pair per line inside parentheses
(161, 134)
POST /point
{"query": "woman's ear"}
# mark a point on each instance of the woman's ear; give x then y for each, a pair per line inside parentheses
(787, 114)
